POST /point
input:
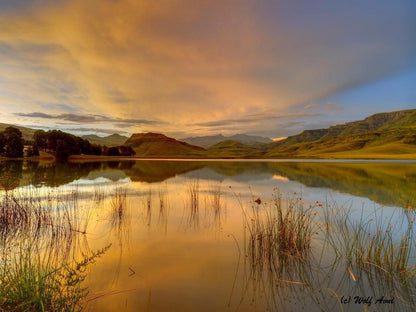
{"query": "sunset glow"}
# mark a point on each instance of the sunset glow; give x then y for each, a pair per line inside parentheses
(203, 67)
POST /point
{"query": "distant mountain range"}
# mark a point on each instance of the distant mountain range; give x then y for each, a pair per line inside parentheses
(207, 141)
(384, 135)
(110, 140)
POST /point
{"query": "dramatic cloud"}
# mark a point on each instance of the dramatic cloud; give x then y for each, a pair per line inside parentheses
(80, 119)
(180, 66)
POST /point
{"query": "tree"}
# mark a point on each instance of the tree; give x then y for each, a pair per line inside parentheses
(40, 139)
(14, 142)
(10, 130)
(113, 151)
(95, 149)
(84, 145)
(126, 151)
(104, 150)
(2, 142)
(66, 146)
(32, 151)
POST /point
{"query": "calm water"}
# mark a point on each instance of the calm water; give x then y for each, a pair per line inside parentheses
(181, 242)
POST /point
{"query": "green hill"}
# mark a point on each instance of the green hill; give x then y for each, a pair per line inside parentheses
(233, 149)
(159, 145)
(384, 135)
(110, 140)
(381, 121)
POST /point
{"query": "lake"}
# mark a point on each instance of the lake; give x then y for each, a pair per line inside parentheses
(182, 235)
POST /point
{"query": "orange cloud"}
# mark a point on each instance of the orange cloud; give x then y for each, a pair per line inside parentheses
(180, 62)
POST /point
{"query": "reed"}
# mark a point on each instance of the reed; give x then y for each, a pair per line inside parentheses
(99, 193)
(29, 211)
(216, 209)
(119, 202)
(216, 199)
(40, 232)
(193, 191)
(373, 242)
(163, 207)
(356, 252)
(275, 230)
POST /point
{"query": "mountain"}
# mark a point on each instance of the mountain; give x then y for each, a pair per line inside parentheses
(383, 135)
(207, 141)
(249, 139)
(110, 140)
(159, 145)
(27, 133)
(233, 149)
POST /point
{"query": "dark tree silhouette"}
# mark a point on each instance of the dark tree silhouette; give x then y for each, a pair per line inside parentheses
(40, 139)
(2, 143)
(113, 151)
(14, 142)
(126, 151)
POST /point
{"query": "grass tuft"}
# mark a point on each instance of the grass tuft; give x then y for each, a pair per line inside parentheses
(275, 230)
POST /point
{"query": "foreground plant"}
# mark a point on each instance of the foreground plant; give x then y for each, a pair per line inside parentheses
(33, 279)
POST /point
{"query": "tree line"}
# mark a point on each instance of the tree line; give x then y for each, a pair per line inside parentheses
(57, 142)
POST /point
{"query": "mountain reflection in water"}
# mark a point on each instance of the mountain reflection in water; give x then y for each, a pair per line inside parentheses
(388, 183)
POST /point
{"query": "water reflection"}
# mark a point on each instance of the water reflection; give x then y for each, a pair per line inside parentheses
(390, 184)
(187, 243)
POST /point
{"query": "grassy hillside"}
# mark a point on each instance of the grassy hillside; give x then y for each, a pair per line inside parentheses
(110, 140)
(381, 121)
(398, 143)
(159, 145)
(385, 135)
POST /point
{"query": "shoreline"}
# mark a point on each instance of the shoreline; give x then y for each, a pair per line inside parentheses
(92, 158)
(85, 158)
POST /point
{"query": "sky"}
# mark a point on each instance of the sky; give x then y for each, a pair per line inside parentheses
(203, 67)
